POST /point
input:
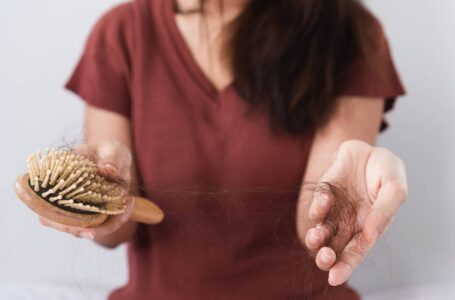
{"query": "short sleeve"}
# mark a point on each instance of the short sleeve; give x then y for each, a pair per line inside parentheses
(380, 80)
(101, 77)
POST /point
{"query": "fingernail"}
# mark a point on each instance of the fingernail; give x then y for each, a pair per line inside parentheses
(344, 272)
(325, 258)
(332, 280)
(314, 237)
(87, 235)
(323, 200)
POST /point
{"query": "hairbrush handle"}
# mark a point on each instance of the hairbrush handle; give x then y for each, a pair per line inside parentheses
(145, 211)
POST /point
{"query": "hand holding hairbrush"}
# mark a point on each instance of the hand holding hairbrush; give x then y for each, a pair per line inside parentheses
(67, 188)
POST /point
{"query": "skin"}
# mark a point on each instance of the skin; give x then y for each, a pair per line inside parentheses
(380, 179)
(342, 150)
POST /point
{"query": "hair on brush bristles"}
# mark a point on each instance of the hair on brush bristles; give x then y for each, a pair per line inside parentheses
(72, 182)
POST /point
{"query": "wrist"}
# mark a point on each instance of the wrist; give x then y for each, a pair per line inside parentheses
(122, 235)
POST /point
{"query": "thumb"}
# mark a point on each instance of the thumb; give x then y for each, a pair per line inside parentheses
(114, 159)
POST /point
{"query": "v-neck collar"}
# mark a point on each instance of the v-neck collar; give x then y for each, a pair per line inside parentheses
(186, 57)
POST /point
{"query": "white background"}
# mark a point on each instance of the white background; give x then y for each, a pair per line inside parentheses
(40, 42)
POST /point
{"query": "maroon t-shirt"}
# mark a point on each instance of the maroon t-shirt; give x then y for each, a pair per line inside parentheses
(226, 181)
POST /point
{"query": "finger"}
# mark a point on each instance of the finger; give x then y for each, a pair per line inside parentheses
(76, 231)
(351, 257)
(317, 236)
(114, 159)
(320, 206)
(115, 222)
(391, 196)
(353, 254)
(389, 199)
(386, 172)
(325, 258)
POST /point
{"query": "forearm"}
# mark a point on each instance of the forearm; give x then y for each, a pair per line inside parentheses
(354, 119)
(101, 125)
(125, 233)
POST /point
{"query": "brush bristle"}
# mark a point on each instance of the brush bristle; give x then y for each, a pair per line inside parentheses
(71, 181)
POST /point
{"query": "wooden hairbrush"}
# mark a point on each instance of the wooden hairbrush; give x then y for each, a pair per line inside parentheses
(67, 188)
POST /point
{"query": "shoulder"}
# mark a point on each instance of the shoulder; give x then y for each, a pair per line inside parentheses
(372, 25)
(114, 28)
(117, 16)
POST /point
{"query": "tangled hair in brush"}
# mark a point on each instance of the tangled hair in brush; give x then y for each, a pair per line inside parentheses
(90, 152)
(71, 181)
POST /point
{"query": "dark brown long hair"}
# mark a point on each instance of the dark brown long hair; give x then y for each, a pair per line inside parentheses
(289, 56)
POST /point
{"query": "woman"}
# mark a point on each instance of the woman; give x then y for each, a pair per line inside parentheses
(227, 107)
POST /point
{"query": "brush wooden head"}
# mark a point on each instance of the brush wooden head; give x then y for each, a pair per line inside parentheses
(51, 211)
(65, 187)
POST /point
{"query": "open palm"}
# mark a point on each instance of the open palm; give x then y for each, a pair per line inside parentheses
(374, 182)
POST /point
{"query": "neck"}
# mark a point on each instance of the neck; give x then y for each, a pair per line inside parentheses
(212, 7)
